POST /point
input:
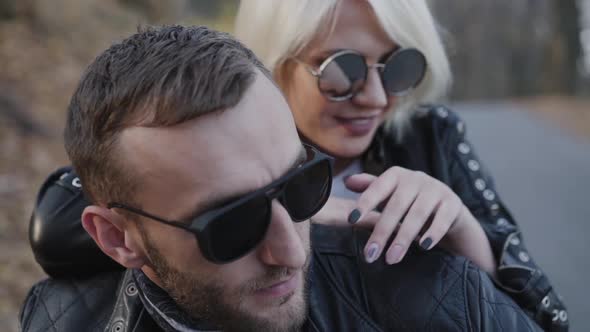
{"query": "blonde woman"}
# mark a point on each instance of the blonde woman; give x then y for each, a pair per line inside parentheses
(362, 79)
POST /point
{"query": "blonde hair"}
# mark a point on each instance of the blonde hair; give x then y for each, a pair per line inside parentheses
(279, 29)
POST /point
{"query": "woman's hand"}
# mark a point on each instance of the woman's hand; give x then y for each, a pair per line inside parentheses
(335, 212)
(424, 205)
(414, 206)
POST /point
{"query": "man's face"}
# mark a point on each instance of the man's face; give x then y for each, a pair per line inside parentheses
(212, 158)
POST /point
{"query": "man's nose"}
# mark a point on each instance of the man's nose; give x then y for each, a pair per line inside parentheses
(372, 95)
(285, 243)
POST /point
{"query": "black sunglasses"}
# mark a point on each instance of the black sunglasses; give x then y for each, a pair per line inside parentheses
(229, 232)
(344, 73)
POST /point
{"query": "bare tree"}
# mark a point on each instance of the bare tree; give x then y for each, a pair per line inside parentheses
(511, 47)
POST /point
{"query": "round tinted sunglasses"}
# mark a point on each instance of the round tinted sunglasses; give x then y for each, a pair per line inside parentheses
(344, 73)
(231, 231)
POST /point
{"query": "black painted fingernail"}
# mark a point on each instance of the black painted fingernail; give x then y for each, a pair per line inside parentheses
(426, 243)
(354, 216)
(372, 253)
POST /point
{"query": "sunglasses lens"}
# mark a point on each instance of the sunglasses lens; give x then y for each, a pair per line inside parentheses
(307, 192)
(343, 75)
(239, 230)
(404, 71)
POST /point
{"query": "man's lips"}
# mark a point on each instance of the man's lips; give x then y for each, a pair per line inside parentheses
(280, 288)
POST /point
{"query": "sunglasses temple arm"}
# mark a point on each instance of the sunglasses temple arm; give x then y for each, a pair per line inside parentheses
(307, 67)
(148, 215)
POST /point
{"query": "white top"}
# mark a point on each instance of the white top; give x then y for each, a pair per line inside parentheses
(338, 187)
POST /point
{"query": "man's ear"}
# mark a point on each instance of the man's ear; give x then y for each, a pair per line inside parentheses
(108, 231)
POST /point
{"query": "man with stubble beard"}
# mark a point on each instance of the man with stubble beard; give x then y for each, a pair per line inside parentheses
(197, 183)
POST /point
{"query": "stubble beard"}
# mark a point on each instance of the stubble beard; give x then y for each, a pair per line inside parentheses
(207, 301)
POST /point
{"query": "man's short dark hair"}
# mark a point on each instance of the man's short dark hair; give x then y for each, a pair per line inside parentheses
(160, 76)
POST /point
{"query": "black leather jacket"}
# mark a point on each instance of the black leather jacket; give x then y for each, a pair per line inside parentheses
(436, 146)
(428, 291)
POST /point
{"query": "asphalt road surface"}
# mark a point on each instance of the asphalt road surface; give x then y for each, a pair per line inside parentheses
(542, 174)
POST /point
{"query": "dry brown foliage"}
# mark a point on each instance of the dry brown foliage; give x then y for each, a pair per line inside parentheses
(44, 47)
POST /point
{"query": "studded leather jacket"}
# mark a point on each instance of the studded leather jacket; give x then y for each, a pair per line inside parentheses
(428, 291)
(437, 146)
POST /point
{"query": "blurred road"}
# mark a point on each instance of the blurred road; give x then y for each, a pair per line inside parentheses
(543, 175)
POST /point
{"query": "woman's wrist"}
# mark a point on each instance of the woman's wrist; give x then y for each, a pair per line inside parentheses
(467, 238)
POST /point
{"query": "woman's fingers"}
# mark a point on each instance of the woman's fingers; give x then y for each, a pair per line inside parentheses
(378, 190)
(335, 212)
(414, 203)
(446, 214)
(369, 220)
(394, 211)
(359, 182)
(422, 207)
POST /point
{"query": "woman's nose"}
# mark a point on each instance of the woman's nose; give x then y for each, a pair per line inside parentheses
(372, 95)
(285, 242)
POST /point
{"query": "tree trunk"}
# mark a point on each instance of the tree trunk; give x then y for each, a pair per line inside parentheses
(509, 48)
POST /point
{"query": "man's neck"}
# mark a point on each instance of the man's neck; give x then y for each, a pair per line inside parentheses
(152, 275)
(163, 309)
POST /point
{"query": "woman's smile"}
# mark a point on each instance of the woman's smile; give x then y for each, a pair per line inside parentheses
(358, 125)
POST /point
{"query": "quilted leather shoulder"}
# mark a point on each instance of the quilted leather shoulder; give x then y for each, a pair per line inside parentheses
(68, 305)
